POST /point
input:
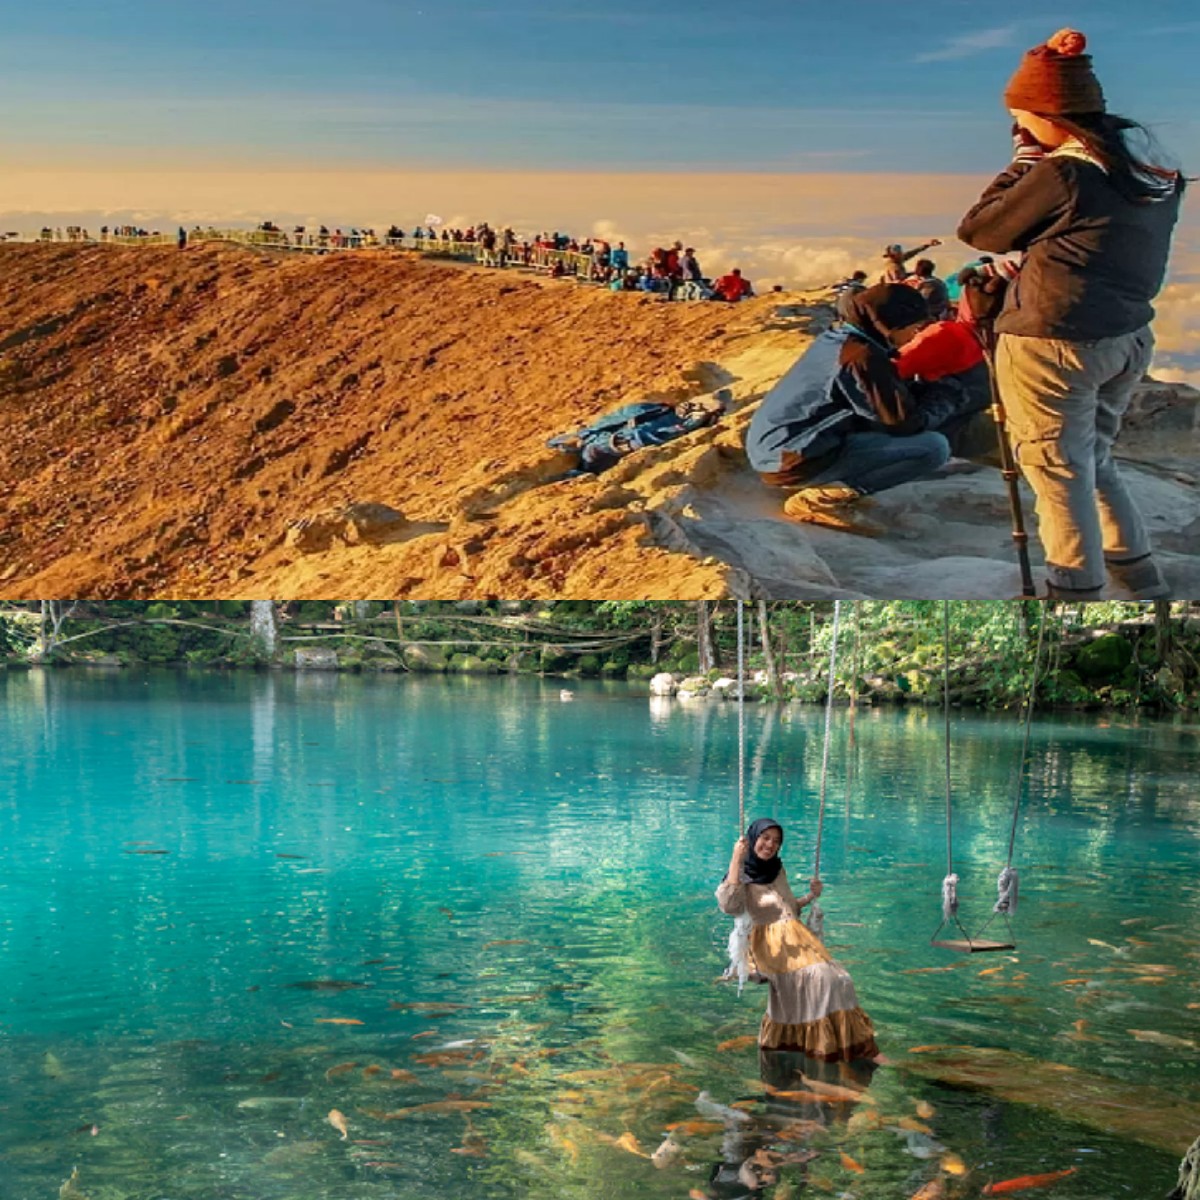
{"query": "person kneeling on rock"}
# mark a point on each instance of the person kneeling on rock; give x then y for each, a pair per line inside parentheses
(842, 424)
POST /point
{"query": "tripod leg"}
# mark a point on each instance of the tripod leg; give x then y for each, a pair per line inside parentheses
(1008, 469)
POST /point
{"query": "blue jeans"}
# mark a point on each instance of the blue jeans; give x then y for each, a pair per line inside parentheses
(873, 462)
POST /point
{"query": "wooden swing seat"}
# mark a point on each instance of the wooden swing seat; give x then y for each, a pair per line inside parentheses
(973, 945)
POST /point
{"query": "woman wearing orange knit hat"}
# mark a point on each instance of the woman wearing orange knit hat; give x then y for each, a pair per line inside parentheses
(1094, 219)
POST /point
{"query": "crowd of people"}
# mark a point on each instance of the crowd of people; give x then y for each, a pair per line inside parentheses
(671, 273)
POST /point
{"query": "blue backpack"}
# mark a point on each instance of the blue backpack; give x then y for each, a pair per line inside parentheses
(607, 440)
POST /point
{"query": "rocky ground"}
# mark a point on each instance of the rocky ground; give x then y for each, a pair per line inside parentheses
(225, 423)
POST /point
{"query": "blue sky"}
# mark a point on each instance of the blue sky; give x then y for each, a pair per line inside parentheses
(775, 85)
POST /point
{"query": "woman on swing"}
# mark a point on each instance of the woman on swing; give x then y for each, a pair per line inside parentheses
(812, 1005)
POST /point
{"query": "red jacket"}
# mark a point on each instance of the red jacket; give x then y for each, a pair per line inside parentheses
(732, 287)
(944, 348)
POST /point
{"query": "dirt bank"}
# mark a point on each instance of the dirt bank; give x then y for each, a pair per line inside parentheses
(166, 417)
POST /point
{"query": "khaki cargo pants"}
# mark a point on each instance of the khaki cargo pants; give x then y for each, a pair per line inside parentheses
(1064, 402)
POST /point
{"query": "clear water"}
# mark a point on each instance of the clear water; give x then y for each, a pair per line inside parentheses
(391, 832)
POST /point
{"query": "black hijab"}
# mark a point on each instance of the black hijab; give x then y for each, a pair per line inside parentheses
(761, 870)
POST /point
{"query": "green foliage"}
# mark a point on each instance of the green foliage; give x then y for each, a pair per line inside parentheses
(553, 661)
(1105, 654)
(1105, 658)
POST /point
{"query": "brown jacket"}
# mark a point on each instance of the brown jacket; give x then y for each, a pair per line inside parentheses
(1094, 259)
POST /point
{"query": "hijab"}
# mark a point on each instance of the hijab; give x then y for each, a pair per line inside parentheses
(761, 870)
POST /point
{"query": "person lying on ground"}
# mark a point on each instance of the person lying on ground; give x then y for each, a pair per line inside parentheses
(842, 424)
(1094, 216)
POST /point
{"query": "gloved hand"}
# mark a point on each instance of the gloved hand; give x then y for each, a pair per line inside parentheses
(1026, 148)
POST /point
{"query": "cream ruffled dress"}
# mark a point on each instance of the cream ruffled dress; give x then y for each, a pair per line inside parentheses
(812, 1006)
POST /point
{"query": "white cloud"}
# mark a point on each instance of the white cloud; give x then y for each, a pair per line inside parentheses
(965, 45)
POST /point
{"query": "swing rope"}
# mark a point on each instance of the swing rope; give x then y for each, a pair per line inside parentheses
(739, 936)
(816, 914)
(1008, 880)
(950, 882)
(741, 675)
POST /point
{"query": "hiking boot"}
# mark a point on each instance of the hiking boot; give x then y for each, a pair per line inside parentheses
(831, 505)
(1141, 577)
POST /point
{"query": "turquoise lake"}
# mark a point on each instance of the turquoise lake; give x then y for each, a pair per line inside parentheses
(181, 849)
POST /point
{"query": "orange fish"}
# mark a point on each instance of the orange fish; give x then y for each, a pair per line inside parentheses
(991, 971)
(697, 1194)
(416, 1037)
(438, 1106)
(850, 1164)
(694, 1128)
(935, 1189)
(337, 1021)
(371, 1070)
(1026, 1181)
(916, 1126)
(425, 1005)
(850, 1095)
(739, 1043)
(340, 1069)
(445, 1057)
(507, 942)
(925, 1110)
(927, 1049)
(338, 1121)
(953, 1165)
(627, 1141)
(796, 1097)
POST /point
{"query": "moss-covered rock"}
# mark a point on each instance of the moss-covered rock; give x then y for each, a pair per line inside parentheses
(472, 664)
(588, 664)
(612, 669)
(425, 658)
(641, 671)
(1103, 659)
(554, 661)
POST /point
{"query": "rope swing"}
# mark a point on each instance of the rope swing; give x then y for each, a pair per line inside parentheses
(1007, 882)
(816, 914)
(739, 935)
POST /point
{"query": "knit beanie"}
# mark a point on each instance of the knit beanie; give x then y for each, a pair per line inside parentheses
(1056, 79)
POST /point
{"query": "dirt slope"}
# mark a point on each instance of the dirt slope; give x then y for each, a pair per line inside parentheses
(166, 417)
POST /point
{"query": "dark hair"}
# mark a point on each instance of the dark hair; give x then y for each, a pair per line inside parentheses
(924, 266)
(859, 275)
(1134, 177)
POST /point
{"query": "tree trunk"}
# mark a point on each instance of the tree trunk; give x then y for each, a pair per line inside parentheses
(399, 620)
(262, 626)
(53, 616)
(764, 632)
(1162, 629)
(656, 629)
(704, 647)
